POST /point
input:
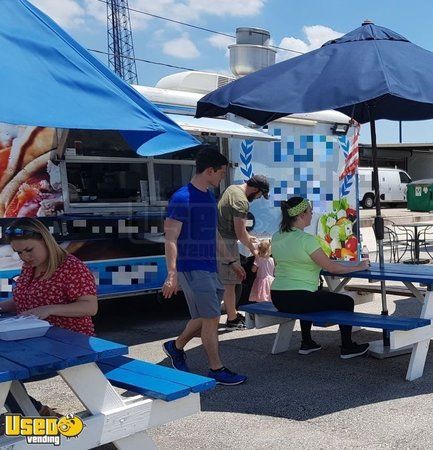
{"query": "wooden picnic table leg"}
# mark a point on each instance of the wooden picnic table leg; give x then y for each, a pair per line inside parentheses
(113, 417)
(4, 390)
(22, 398)
(336, 283)
(136, 441)
(283, 337)
(420, 349)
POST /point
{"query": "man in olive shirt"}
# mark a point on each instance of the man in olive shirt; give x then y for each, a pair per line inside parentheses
(233, 209)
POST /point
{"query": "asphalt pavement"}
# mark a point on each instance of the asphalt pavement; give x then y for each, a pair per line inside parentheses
(289, 401)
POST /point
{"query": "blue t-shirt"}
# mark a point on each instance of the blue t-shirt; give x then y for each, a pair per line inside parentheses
(196, 245)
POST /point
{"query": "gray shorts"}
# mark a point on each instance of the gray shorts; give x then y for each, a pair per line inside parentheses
(226, 273)
(203, 292)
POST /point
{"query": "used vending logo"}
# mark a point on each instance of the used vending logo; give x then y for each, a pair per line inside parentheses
(43, 430)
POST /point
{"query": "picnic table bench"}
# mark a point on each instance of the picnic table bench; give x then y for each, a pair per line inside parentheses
(412, 332)
(91, 367)
(153, 380)
(261, 315)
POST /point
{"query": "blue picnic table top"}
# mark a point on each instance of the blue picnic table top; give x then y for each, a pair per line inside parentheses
(393, 272)
(58, 349)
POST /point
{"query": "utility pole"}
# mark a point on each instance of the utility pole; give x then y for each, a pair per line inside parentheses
(121, 56)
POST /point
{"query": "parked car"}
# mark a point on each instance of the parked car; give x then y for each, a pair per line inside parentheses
(393, 185)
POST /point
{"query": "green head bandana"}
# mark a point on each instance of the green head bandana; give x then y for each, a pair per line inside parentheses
(298, 209)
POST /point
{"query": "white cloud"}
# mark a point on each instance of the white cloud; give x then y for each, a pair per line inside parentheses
(67, 13)
(193, 10)
(172, 9)
(221, 42)
(84, 13)
(181, 47)
(96, 10)
(228, 7)
(319, 34)
(315, 36)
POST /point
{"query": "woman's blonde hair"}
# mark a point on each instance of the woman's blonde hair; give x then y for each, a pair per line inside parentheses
(37, 230)
(264, 248)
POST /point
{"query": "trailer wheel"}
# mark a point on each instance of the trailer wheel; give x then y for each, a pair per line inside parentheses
(368, 201)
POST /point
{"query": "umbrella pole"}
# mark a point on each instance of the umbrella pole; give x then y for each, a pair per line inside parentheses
(378, 220)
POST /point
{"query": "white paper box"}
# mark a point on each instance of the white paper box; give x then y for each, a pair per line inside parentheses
(22, 327)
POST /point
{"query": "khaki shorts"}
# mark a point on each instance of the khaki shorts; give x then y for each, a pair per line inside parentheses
(203, 293)
(226, 273)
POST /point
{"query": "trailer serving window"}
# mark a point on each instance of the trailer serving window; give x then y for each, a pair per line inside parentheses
(173, 170)
(104, 181)
(102, 174)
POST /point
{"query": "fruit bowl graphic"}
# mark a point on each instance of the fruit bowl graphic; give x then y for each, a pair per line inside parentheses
(336, 231)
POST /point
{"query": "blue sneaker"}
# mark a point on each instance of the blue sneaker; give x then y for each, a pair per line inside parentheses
(176, 356)
(226, 377)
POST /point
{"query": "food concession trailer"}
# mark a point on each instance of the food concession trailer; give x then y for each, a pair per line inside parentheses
(106, 204)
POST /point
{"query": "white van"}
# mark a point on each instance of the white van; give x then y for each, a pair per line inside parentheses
(393, 185)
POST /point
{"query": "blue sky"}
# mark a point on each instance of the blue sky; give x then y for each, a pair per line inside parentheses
(302, 25)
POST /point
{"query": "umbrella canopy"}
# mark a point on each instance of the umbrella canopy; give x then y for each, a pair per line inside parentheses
(368, 66)
(48, 79)
(370, 73)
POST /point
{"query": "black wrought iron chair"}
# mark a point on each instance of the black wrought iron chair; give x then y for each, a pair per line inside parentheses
(391, 241)
(390, 245)
(426, 241)
(399, 239)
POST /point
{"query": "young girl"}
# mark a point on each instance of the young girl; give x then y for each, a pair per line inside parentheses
(264, 266)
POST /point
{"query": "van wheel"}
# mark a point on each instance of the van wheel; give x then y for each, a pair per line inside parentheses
(368, 201)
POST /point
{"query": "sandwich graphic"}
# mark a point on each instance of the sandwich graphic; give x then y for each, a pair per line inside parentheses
(25, 185)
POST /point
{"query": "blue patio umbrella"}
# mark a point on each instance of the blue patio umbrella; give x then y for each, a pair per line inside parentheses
(370, 73)
(48, 79)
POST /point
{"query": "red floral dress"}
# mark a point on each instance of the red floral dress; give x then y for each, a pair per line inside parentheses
(71, 280)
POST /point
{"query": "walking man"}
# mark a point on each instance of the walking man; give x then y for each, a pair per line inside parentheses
(233, 209)
(191, 246)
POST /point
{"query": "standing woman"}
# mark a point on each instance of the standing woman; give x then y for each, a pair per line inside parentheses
(53, 285)
(299, 260)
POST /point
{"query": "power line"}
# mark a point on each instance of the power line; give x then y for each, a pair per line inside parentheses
(208, 30)
(144, 60)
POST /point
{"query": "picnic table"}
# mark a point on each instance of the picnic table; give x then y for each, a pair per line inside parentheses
(407, 334)
(91, 367)
(419, 338)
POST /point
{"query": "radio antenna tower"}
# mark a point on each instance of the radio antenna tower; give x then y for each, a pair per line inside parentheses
(121, 56)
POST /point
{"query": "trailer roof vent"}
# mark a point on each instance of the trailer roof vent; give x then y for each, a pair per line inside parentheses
(200, 82)
(222, 81)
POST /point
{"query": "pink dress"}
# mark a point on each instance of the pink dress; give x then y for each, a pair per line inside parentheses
(261, 290)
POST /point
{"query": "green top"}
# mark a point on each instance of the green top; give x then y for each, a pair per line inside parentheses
(294, 268)
(233, 203)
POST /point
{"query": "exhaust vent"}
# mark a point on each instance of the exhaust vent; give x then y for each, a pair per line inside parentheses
(251, 51)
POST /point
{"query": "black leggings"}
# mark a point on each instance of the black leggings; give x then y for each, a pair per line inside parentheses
(299, 302)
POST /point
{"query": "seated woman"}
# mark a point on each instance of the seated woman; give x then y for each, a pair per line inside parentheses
(299, 260)
(53, 285)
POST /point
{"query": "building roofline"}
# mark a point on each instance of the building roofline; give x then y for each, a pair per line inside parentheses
(427, 145)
